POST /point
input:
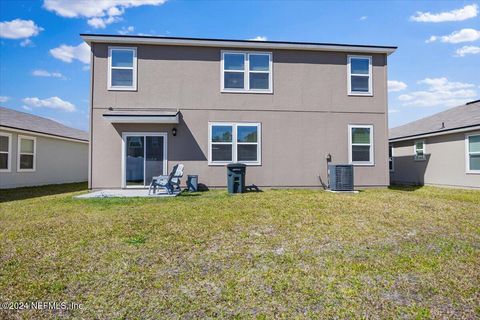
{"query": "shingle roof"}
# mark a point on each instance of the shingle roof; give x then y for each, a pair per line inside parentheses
(29, 122)
(466, 115)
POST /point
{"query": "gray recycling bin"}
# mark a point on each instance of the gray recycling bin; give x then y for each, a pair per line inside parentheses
(236, 177)
(192, 183)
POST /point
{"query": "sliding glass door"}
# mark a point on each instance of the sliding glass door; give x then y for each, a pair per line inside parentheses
(154, 157)
(145, 157)
(135, 161)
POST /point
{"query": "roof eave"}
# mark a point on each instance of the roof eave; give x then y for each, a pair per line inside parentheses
(436, 133)
(43, 134)
(88, 38)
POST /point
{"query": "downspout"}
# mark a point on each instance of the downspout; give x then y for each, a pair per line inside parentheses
(386, 143)
(90, 149)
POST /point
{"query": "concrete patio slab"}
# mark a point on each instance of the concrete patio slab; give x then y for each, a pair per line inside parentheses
(125, 193)
(335, 191)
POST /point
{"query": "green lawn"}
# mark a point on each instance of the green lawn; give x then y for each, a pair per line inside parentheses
(399, 253)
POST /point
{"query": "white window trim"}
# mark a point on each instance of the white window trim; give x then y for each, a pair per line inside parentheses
(422, 158)
(19, 153)
(350, 145)
(124, 154)
(467, 154)
(234, 143)
(246, 71)
(134, 68)
(9, 152)
(393, 159)
(350, 74)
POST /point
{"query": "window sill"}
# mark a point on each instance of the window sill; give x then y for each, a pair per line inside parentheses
(359, 94)
(419, 159)
(473, 172)
(222, 164)
(26, 170)
(121, 89)
(370, 164)
(247, 91)
(5, 170)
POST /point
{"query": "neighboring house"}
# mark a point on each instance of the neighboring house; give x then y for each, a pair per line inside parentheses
(279, 107)
(443, 149)
(38, 151)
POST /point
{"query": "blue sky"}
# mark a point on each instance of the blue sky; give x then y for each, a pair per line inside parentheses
(44, 67)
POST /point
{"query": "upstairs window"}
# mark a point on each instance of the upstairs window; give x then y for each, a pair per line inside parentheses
(246, 72)
(26, 153)
(360, 144)
(419, 150)
(5, 151)
(473, 153)
(359, 75)
(234, 142)
(122, 68)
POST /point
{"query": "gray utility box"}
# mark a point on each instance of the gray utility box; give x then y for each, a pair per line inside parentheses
(192, 183)
(236, 177)
(340, 177)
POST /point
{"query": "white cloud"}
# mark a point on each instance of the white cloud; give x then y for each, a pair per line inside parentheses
(463, 51)
(99, 13)
(52, 103)
(439, 92)
(69, 53)
(126, 30)
(27, 108)
(444, 84)
(27, 43)
(464, 35)
(467, 12)
(101, 23)
(19, 29)
(45, 73)
(394, 85)
(259, 38)
(362, 18)
(4, 98)
(431, 39)
(393, 110)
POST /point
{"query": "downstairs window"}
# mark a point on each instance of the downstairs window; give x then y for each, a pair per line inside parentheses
(360, 144)
(419, 150)
(234, 142)
(473, 153)
(26, 153)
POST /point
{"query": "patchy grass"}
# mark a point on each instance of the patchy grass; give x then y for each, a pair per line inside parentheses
(401, 253)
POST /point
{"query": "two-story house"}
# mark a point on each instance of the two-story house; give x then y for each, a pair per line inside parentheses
(279, 107)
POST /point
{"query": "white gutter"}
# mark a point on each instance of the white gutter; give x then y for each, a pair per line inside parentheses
(35, 133)
(440, 133)
(236, 44)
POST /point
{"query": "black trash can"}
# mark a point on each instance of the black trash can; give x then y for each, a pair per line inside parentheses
(192, 183)
(236, 177)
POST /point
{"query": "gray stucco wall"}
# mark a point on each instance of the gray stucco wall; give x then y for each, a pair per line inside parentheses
(57, 161)
(306, 117)
(445, 163)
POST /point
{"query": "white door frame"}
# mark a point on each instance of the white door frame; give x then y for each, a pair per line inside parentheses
(124, 153)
